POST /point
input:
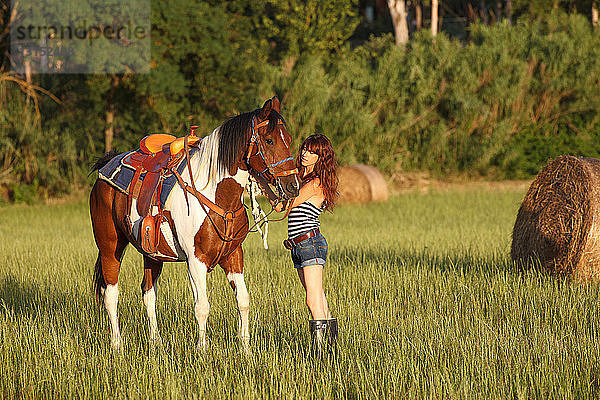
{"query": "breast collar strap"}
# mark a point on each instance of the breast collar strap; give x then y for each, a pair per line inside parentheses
(228, 216)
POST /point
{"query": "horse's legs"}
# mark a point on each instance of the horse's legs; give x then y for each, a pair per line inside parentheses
(234, 268)
(111, 298)
(111, 244)
(236, 280)
(197, 271)
(152, 270)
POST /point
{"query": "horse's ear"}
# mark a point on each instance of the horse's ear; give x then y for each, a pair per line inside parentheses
(266, 109)
(276, 104)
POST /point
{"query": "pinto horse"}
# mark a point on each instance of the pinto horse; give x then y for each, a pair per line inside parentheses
(255, 142)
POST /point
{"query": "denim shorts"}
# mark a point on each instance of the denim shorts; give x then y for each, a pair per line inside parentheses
(311, 251)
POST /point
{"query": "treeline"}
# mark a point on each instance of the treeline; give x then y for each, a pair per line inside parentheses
(497, 105)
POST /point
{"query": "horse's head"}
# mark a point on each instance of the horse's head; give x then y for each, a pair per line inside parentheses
(269, 150)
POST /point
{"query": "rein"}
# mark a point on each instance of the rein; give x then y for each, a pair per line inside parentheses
(266, 219)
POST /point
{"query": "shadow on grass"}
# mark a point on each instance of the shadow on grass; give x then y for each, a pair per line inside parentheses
(32, 299)
(461, 261)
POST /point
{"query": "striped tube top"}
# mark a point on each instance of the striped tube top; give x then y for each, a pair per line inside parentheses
(303, 218)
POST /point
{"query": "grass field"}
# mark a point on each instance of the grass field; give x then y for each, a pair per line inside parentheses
(428, 303)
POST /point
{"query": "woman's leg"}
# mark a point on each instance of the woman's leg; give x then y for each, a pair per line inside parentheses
(311, 278)
(325, 305)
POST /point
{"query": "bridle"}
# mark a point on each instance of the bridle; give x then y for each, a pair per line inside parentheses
(255, 149)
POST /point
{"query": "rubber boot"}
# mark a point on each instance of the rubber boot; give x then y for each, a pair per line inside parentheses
(318, 331)
(332, 334)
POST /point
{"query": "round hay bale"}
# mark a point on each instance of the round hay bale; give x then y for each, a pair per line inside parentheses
(558, 221)
(361, 183)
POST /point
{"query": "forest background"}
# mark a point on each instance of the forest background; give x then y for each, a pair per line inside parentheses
(502, 87)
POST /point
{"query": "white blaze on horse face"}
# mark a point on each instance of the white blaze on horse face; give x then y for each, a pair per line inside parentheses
(111, 299)
(283, 138)
(243, 302)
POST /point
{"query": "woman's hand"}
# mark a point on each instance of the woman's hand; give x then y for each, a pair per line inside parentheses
(282, 205)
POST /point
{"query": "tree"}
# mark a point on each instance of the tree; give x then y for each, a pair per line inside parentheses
(418, 14)
(434, 17)
(109, 130)
(295, 27)
(398, 12)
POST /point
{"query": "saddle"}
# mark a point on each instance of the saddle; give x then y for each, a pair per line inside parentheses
(158, 154)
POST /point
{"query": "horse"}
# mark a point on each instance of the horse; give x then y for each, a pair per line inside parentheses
(208, 225)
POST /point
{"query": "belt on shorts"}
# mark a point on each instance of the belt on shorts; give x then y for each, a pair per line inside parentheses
(289, 243)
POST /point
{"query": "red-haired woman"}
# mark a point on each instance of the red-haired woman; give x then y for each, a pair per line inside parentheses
(317, 169)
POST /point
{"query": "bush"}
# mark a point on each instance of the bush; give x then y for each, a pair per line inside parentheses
(497, 107)
(20, 193)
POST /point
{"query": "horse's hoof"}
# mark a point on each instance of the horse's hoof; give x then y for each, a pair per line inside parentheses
(155, 341)
(116, 346)
(201, 346)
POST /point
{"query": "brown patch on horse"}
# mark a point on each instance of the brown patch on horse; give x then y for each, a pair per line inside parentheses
(106, 206)
(234, 263)
(152, 270)
(228, 194)
(207, 241)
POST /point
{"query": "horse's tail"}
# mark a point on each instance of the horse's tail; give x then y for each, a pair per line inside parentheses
(102, 161)
(99, 283)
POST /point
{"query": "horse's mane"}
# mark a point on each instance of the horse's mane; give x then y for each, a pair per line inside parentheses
(233, 139)
(221, 151)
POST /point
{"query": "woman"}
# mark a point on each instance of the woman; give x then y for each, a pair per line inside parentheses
(317, 169)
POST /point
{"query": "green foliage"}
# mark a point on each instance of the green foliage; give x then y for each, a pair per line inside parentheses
(486, 108)
(539, 8)
(309, 26)
(22, 193)
(30, 159)
(498, 106)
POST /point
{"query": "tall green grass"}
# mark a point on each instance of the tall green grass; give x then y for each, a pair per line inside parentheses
(428, 302)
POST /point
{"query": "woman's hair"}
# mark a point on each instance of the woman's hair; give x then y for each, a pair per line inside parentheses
(325, 168)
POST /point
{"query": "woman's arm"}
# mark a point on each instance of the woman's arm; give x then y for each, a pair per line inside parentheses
(307, 191)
